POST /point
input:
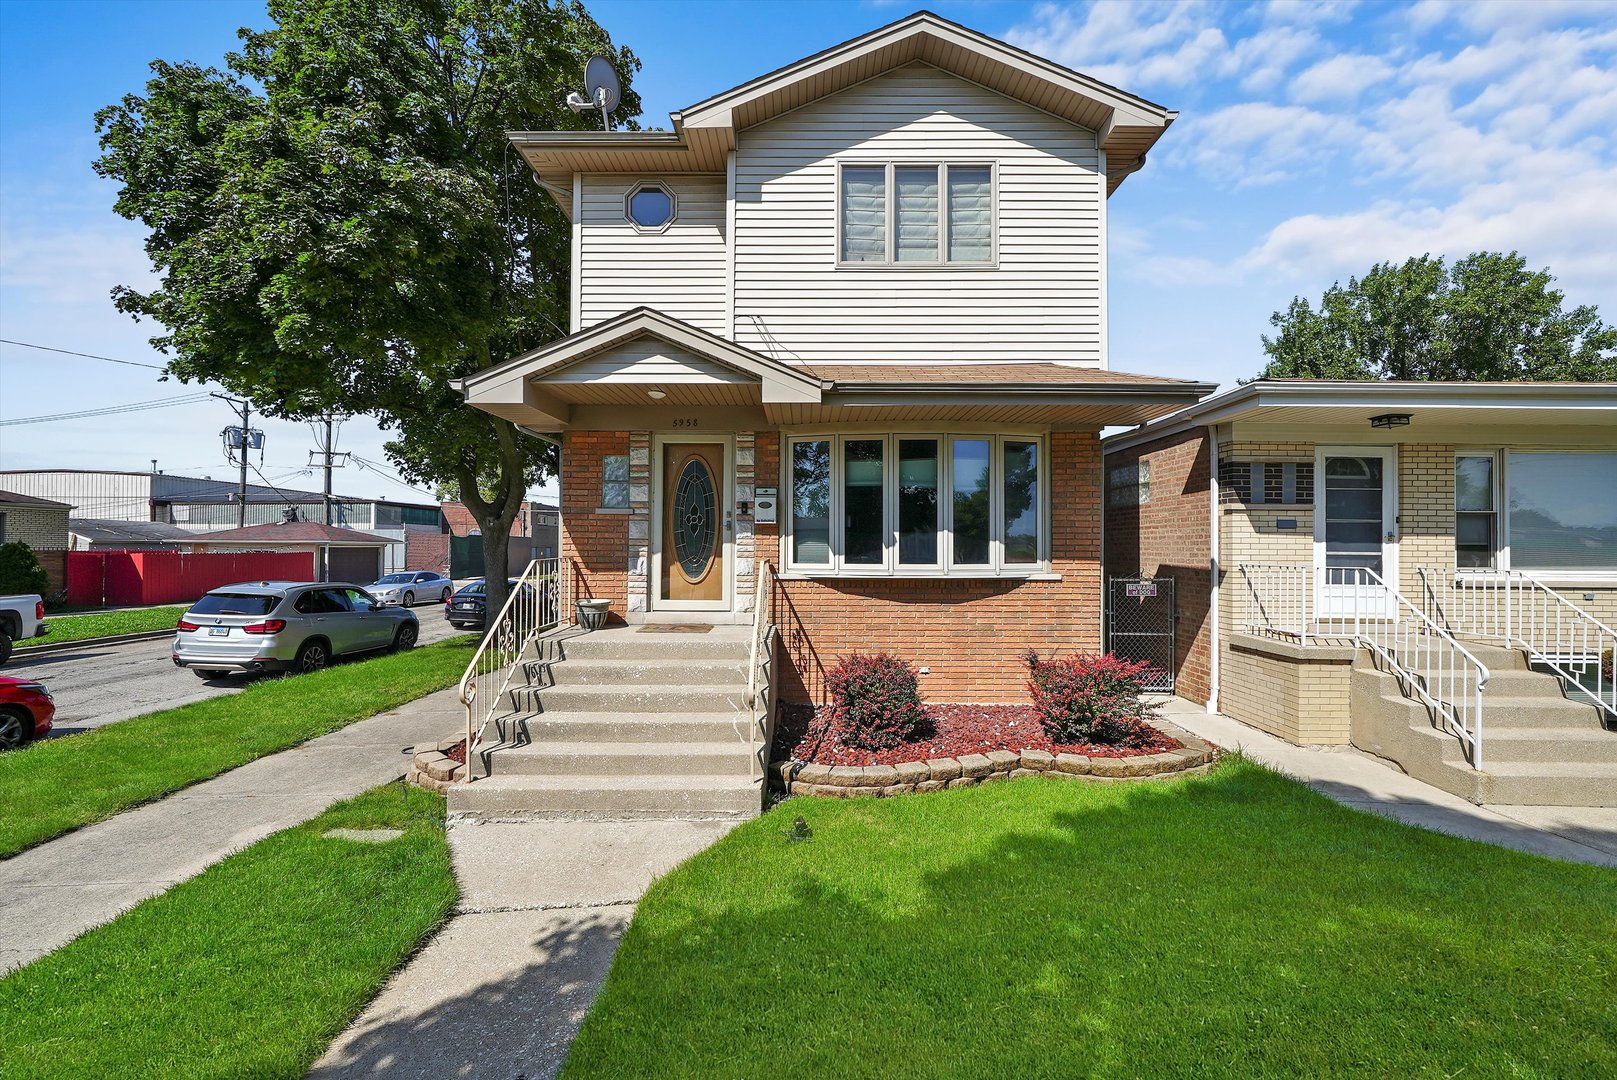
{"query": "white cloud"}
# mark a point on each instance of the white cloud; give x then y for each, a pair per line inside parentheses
(1341, 78)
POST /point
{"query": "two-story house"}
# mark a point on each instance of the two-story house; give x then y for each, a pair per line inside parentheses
(848, 320)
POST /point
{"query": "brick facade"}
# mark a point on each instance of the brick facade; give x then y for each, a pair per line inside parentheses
(426, 550)
(969, 633)
(1168, 536)
(44, 529)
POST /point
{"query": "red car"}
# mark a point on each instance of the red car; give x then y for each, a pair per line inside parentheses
(26, 711)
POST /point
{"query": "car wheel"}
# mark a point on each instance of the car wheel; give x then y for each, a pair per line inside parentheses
(312, 657)
(5, 647)
(445, 596)
(16, 728)
(405, 637)
(409, 599)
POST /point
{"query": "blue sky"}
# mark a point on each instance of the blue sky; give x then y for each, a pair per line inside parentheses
(1314, 140)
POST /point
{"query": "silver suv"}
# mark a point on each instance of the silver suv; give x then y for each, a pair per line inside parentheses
(286, 626)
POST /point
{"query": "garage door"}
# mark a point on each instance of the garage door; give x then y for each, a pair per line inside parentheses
(358, 565)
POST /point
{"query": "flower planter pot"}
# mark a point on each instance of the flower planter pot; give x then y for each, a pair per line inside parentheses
(592, 613)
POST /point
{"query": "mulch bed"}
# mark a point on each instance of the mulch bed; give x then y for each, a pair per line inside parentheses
(457, 753)
(807, 733)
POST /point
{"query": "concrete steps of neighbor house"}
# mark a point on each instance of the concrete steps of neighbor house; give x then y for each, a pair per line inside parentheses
(1537, 749)
(627, 725)
(610, 798)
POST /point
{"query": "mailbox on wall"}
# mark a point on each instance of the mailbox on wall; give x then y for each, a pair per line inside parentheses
(764, 505)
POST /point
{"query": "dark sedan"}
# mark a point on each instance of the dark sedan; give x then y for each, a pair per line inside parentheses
(468, 608)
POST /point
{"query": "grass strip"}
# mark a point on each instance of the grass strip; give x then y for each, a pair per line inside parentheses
(105, 624)
(1232, 925)
(249, 969)
(55, 785)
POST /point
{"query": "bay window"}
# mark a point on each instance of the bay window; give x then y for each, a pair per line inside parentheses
(918, 505)
(1550, 512)
(916, 214)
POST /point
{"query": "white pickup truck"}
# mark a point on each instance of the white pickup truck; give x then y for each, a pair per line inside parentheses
(21, 617)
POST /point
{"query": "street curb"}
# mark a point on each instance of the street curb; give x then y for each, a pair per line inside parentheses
(23, 651)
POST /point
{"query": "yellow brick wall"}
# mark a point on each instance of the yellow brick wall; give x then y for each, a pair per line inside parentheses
(40, 527)
(1300, 695)
(1252, 533)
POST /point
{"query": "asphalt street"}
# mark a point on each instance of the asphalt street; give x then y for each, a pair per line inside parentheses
(105, 684)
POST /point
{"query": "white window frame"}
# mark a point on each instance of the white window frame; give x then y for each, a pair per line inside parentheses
(996, 567)
(891, 214)
(1502, 561)
(1500, 547)
(673, 206)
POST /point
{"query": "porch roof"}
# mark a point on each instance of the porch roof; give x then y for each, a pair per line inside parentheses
(652, 364)
(1446, 409)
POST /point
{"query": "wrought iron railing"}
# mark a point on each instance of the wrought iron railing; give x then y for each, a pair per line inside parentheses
(1355, 603)
(510, 638)
(1518, 611)
(761, 681)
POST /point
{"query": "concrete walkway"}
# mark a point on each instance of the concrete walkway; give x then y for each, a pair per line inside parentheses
(53, 893)
(1576, 833)
(502, 989)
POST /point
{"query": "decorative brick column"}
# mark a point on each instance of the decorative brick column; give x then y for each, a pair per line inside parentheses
(637, 555)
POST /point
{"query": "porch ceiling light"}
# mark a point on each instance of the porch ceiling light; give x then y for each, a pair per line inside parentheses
(658, 395)
(1390, 420)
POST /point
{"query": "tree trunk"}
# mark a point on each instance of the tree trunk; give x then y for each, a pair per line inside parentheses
(495, 516)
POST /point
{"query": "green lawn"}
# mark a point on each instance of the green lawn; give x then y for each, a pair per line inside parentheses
(250, 969)
(55, 785)
(106, 624)
(1232, 925)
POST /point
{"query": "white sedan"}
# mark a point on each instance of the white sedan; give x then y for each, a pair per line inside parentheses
(411, 587)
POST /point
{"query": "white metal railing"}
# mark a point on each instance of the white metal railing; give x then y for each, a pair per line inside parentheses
(1429, 663)
(533, 607)
(1275, 600)
(1521, 612)
(760, 701)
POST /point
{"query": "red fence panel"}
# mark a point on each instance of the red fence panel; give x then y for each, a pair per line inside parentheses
(117, 578)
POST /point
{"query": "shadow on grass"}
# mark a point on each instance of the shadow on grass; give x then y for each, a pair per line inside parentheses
(1235, 924)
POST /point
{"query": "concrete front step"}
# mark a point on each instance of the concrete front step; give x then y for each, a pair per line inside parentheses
(1549, 784)
(731, 757)
(608, 798)
(656, 670)
(1555, 745)
(641, 698)
(616, 727)
(627, 643)
(1506, 711)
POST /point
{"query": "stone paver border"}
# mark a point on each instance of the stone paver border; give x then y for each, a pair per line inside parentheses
(435, 770)
(914, 777)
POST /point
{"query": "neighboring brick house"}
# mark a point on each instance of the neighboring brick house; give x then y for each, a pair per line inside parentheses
(844, 327)
(42, 525)
(1418, 525)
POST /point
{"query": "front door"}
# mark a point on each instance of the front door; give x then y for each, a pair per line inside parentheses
(694, 531)
(1355, 533)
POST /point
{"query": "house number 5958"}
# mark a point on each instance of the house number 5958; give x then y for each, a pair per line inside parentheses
(685, 421)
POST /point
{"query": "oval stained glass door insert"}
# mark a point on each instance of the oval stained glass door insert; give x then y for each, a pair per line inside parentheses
(695, 518)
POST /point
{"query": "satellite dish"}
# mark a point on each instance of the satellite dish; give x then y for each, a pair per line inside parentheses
(602, 86)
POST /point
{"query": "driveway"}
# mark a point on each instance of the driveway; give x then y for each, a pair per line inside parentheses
(102, 685)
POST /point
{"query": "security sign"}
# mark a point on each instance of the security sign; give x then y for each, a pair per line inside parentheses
(1140, 588)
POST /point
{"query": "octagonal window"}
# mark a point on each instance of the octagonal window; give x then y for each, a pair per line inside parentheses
(650, 207)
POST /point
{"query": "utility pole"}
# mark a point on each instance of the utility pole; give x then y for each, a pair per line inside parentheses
(328, 461)
(245, 409)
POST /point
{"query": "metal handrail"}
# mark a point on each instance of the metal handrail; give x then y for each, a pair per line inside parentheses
(761, 646)
(1520, 611)
(1429, 662)
(530, 610)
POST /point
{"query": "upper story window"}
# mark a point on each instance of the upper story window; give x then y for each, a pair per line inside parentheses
(649, 206)
(914, 214)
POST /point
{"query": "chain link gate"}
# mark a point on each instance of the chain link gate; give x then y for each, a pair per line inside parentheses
(1141, 618)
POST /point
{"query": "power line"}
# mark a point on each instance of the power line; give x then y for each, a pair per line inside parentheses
(110, 410)
(87, 356)
(371, 466)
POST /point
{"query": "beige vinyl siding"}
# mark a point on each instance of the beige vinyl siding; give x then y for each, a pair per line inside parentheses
(1043, 299)
(681, 272)
(648, 359)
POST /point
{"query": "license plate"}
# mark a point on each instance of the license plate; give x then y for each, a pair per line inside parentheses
(218, 631)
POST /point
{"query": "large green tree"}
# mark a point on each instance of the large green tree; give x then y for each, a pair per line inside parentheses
(337, 222)
(1488, 318)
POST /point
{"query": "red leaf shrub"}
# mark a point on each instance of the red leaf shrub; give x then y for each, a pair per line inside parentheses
(1082, 697)
(875, 700)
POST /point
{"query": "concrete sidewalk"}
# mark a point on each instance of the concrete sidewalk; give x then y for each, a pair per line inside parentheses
(1576, 833)
(502, 990)
(53, 893)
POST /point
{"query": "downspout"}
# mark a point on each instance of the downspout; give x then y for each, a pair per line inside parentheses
(1211, 441)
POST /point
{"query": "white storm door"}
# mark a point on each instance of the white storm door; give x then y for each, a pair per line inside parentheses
(1355, 530)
